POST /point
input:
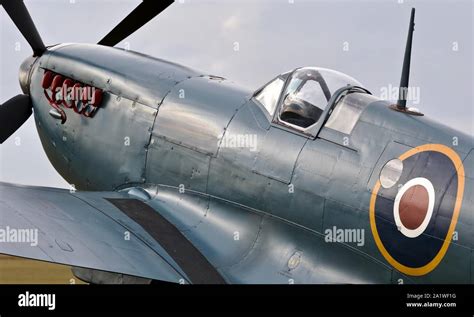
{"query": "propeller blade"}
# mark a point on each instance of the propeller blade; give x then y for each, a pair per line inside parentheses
(13, 114)
(140, 16)
(17, 11)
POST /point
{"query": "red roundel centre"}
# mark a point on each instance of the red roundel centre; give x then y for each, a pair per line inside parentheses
(414, 206)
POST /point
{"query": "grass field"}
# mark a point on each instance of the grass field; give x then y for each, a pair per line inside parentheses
(15, 270)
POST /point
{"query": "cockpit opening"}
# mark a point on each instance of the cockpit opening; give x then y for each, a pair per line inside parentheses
(299, 98)
(308, 92)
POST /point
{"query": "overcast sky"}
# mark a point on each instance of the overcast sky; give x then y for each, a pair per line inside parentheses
(365, 39)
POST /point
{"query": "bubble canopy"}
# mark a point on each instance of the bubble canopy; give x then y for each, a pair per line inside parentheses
(332, 78)
(313, 84)
(300, 98)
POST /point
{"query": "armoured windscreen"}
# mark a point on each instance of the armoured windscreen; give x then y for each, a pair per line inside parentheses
(269, 95)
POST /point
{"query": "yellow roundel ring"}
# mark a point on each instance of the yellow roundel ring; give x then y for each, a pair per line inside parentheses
(418, 271)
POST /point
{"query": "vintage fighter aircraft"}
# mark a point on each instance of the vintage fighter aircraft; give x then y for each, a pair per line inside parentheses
(185, 177)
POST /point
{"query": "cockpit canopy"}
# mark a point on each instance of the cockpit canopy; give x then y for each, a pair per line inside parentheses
(299, 98)
(308, 93)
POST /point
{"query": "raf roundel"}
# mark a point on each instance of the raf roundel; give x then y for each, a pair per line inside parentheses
(413, 207)
(422, 185)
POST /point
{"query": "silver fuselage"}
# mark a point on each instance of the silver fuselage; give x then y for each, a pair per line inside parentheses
(162, 124)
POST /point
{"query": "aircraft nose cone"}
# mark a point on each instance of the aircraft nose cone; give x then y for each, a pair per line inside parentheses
(25, 74)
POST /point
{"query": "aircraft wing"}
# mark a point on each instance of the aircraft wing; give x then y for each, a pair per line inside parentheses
(106, 231)
(162, 233)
